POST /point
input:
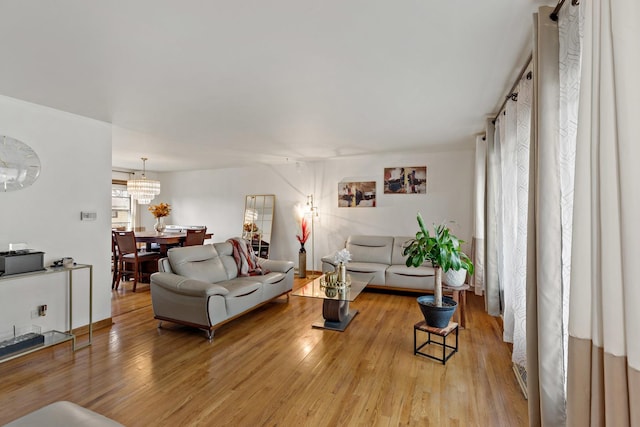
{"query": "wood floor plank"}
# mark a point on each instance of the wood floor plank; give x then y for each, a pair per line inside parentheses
(270, 367)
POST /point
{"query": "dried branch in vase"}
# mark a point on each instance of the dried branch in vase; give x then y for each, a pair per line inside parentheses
(304, 232)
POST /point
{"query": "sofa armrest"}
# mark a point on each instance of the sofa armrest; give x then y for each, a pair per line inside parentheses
(185, 286)
(327, 261)
(275, 265)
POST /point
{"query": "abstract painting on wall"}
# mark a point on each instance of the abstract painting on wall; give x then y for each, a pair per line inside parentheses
(405, 180)
(357, 194)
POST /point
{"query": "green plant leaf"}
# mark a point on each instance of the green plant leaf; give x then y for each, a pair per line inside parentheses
(441, 248)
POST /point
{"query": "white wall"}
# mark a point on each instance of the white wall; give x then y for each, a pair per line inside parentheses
(448, 198)
(75, 154)
(215, 198)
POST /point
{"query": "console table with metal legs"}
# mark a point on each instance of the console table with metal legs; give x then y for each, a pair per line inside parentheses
(54, 337)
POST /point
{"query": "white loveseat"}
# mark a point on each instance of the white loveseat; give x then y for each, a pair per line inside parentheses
(380, 259)
(199, 286)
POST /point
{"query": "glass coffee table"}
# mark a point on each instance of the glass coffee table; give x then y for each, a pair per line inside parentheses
(336, 314)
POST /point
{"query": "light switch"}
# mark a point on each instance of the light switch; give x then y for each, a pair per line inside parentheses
(88, 216)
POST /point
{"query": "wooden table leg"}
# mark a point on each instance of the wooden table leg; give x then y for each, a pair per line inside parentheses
(336, 315)
(460, 296)
(463, 314)
(334, 310)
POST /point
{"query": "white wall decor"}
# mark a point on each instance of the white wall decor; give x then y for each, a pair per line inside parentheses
(75, 153)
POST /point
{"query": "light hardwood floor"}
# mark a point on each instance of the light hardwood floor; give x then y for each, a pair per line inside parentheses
(270, 367)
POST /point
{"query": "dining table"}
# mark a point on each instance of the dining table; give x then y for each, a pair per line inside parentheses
(165, 239)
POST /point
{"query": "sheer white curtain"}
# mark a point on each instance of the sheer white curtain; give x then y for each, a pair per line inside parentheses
(507, 199)
(570, 42)
(604, 343)
(515, 188)
(477, 243)
(501, 156)
(492, 298)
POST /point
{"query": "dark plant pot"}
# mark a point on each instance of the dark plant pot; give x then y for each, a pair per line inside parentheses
(437, 317)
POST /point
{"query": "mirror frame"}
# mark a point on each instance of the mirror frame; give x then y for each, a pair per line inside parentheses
(257, 223)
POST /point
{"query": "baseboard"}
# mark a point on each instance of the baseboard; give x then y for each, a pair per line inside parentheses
(83, 330)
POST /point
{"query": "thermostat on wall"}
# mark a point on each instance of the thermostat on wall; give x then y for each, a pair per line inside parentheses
(88, 216)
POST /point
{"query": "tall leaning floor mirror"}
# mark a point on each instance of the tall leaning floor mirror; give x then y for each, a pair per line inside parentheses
(258, 222)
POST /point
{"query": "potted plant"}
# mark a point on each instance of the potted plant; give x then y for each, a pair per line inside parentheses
(442, 250)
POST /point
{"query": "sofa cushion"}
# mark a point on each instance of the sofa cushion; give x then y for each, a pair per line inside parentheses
(410, 277)
(375, 249)
(186, 286)
(244, 294)
(225, 251)
(276, 265)
(197, 262)
(275, 285)
(399, 243)
(240, 286)
(368, 271)
(271, 277)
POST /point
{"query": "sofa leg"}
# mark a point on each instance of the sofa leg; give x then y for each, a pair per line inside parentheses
(160, 324)
(210, 335)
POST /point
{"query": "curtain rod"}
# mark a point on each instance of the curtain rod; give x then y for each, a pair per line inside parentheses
(554, 14)
(554, 17)
(506, 98)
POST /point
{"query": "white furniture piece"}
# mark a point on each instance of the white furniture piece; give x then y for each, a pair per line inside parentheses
(199, 286)
(63, 414)
(380, 259)
(56, 337)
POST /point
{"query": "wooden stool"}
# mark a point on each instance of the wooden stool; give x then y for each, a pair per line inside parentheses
(443, 332)
(459, 295)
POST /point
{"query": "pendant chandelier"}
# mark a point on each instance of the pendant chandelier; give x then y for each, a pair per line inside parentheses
(143, 190)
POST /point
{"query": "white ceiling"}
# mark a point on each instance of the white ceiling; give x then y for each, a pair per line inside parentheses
(199, 84)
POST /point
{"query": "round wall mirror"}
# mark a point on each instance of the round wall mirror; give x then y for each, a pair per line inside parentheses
(19, 164)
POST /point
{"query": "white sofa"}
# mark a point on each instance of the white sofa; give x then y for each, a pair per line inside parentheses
(63, 414)
(380, 259)
(199, 286)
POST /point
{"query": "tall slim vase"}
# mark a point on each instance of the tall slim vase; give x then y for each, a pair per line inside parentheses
(342, 273)
(302, 262)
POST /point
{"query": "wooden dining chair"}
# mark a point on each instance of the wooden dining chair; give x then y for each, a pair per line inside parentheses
(195, 237)
(114, 256)
(114, 261)
(130, 260)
